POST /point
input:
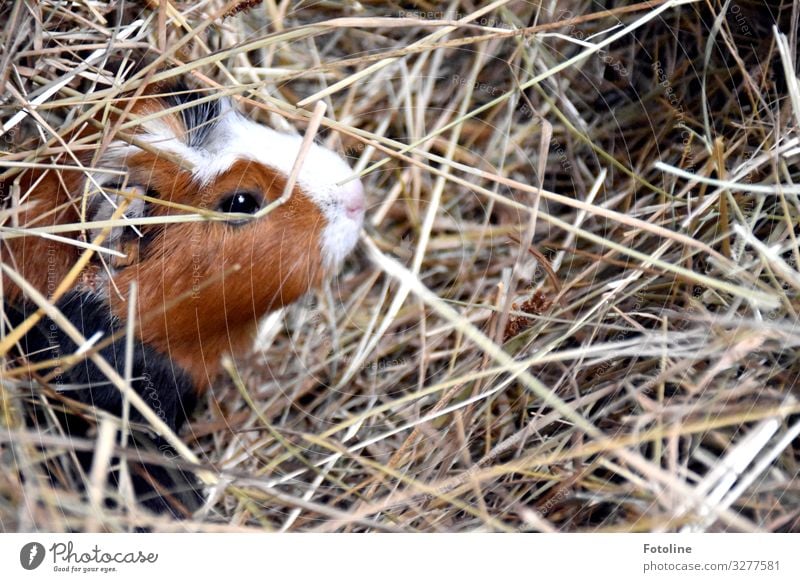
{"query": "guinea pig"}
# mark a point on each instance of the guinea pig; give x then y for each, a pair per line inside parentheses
(201, 285)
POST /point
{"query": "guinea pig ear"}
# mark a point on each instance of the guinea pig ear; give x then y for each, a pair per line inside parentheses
(104, 203)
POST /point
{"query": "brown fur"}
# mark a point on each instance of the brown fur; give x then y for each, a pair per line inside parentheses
(41, 262)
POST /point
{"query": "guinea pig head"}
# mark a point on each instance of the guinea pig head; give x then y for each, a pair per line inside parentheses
(203, 285)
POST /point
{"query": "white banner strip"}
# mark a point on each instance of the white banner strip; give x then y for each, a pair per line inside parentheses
(406, 557)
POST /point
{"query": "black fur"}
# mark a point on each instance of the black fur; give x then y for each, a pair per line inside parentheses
(199, 119)
(166, 389)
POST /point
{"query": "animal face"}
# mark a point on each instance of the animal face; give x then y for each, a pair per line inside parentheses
(205, 284)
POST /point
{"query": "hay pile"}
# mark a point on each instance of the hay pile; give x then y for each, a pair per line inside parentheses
(574, 307)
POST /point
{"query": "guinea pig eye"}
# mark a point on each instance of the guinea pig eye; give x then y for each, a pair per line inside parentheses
(241, 203)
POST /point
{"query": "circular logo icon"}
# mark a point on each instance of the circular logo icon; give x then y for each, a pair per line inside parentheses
(31, 555)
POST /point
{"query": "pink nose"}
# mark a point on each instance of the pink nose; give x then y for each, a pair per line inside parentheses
(354, 201)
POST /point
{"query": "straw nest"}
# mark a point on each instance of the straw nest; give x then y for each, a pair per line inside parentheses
(574, 305)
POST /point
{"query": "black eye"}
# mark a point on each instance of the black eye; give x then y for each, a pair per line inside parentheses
(241, 203)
